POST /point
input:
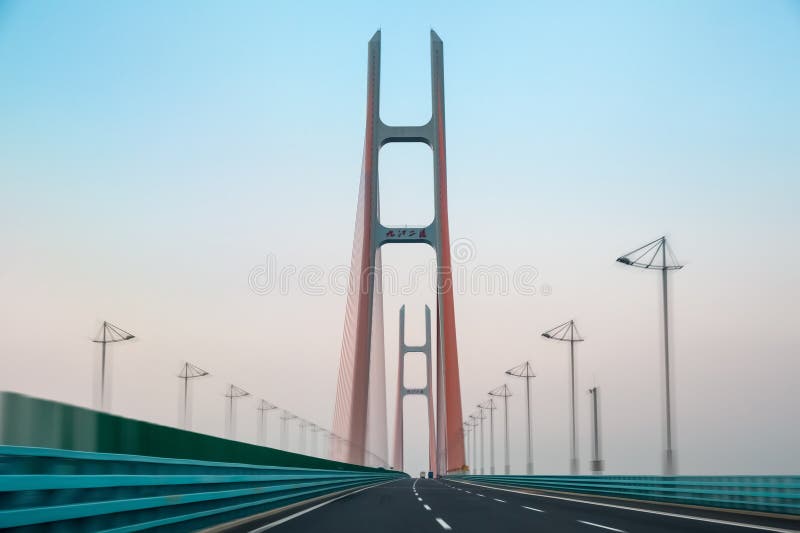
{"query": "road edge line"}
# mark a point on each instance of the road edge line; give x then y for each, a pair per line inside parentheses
(649, 511)
(329, 498)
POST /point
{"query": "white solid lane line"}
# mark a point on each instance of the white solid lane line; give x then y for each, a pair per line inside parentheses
(638, 510)
(601, 526)
(532, 509)
(427, 507)
(304, 511)
(444, 524)
(499, 500)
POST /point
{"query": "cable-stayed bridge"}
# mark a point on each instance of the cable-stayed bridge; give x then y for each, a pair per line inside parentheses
(66, 468)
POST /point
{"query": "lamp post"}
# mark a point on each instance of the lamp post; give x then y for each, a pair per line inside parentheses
(597, 463)
(504, 392)
(657, 255)
(490, 406)
(302, 424)
(324, 449)
(285, 418)
(263, 408)
(567, 332)
(189, 371)
(481, 416)
(315, 429)
(525, 371)
(467, 429)
(233, 393)
(333, 446)
(474, 424)
(108, 333)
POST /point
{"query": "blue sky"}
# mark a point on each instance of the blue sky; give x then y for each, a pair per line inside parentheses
(151, 153)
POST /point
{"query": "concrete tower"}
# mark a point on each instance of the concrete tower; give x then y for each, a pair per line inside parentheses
(360, 410)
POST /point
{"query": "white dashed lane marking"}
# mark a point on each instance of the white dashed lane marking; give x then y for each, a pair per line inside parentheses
(427, 507)
(743, 525)
(601, 526)
(444, 524)
(532, 509)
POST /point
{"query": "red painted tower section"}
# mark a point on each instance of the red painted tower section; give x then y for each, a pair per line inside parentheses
(352, 394)
(359, 421)
(452, 426)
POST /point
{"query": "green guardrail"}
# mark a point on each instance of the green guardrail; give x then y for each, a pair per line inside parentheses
(34, 422)
(773, 494)
(67, 468)
(73, 491)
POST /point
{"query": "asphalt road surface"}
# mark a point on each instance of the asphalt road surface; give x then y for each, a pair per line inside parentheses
(426, 505)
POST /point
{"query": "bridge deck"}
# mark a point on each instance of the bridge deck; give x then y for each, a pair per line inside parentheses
(436, 506)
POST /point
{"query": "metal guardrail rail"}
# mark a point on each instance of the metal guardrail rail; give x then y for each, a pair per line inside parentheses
(65, 490)
(773, 494)
(35, 422)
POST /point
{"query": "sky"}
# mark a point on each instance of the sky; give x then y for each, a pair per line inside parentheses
(154, 155)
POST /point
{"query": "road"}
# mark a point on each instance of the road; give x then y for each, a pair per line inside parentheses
(412, 505)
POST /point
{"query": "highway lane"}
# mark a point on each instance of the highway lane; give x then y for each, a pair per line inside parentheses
(573, 513)
(412, 505)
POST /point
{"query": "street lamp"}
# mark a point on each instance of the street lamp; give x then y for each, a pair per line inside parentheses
(525, 371)
(189, 371)
(302, 424)
(108, 333)
(233, 393)
(474, 423)
(490, 406)
(285, 417)
(504, 392)
(657, 255)
(315, 429)
(597, 463)
(332, 440)
(481, 416)
(467, 429)
(567, 332)
(334, 446)
(325, 449)
(263, 407)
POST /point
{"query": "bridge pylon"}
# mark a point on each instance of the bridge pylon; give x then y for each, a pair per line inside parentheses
(360, 408)
(403, 391)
